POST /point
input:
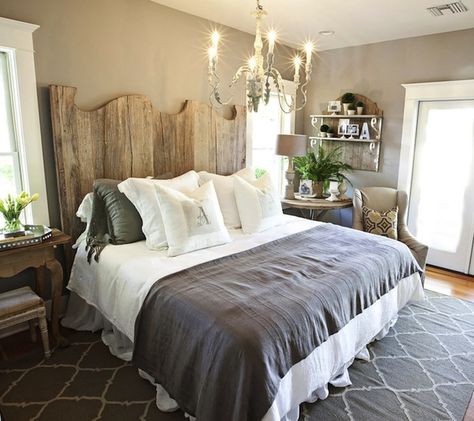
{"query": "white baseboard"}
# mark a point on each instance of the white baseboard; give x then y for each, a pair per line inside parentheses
(20, 327)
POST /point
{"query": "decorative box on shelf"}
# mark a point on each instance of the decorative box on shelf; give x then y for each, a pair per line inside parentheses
(33, 234)
(359, 135)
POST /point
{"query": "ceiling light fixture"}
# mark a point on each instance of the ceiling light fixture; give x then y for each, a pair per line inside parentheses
(327, 32)
(260, 72)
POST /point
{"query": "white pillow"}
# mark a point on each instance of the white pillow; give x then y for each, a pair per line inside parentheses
(141, 192)
(224, 186)
(192, 221)
(84, 212)
(258, 203)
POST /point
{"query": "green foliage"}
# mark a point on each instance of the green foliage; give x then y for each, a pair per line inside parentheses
(324, 128)
(11, 206)
(351, 107)
(323, 166)
(348, 98)
(259, 172)
(360, 104)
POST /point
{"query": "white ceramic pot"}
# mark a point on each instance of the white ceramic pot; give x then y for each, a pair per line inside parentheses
(306, 187)
(351, 112)
(360, 110)
(345, 107)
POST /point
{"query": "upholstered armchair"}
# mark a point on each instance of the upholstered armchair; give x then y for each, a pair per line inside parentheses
(382, 199)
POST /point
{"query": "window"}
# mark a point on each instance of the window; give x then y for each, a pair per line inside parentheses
(262, 130)
(21, 152)
(10, 175)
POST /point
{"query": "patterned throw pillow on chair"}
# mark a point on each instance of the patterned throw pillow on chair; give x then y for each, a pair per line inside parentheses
(381, 223)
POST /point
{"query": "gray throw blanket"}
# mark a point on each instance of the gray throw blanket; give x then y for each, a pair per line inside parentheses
(219, 336)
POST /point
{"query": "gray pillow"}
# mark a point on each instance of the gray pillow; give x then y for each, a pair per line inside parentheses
(124, 224)
(114, 219)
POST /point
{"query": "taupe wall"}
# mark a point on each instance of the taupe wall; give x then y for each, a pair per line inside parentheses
(377, 71)
(108, 48)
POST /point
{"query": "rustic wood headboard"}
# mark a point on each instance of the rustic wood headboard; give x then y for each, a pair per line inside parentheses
(127, 137)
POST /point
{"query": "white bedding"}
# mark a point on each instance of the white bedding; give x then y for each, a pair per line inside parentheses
(119, 283)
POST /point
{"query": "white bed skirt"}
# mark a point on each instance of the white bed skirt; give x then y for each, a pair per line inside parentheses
(306, 381)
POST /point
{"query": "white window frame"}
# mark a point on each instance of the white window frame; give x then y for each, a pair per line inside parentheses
(416, 93)
(16, 39)
(290, 89)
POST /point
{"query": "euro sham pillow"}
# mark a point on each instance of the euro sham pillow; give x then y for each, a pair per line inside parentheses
(381, 223)
(258, 203)
(141, 192)
(191, 221)
(224, 186)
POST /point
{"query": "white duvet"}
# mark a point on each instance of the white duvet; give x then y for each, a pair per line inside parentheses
(119, 283)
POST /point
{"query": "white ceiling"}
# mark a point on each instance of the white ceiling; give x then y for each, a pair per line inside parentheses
(356, 22)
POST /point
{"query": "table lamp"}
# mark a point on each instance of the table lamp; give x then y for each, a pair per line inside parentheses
(291, 145)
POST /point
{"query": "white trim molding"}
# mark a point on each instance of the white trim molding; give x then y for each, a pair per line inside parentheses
(16, 39)
(416, 93)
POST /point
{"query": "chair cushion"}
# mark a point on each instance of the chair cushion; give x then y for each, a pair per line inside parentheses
(381, 223)
(17, 301)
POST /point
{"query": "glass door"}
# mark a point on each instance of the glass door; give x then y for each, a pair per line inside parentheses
(442, 193)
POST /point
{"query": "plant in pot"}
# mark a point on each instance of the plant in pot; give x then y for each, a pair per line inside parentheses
(360, 107)
(351, 109)
(321, 167)
(324, 129)
(347, 99)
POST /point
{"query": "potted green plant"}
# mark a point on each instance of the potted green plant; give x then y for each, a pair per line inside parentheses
(351, 109)
(324, 129)
(346, 99)
(321, 167)
(360, 107)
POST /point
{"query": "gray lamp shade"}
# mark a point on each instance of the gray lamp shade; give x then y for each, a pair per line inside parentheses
(291, 144)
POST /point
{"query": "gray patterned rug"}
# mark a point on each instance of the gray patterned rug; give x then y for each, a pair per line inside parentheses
(423, 370)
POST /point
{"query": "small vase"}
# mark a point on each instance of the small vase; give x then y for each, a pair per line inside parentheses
(318, 188)
(345, 107)
(342, 190)
(360, 110)
(306, 188)
(13, 228)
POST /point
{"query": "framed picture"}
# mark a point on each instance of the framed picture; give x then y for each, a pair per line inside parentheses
(334, 106)
(352, 129)
(347, 129)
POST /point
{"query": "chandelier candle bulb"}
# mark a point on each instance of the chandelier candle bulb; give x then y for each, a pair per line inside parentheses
(309, 52)
(297, 64)
(271, 41)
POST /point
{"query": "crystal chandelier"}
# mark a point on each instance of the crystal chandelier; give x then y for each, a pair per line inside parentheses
(260, 73)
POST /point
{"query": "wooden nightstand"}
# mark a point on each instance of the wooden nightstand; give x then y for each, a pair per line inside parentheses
(41, 257)
(316, 208)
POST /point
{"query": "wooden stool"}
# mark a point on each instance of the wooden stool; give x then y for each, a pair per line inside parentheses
(23, 305)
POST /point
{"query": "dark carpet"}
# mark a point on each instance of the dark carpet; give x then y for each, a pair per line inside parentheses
(423, 370)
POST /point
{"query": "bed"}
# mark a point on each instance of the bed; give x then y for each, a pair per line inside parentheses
(247, 330)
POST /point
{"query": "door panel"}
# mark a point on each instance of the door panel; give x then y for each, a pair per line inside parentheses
(442, 194)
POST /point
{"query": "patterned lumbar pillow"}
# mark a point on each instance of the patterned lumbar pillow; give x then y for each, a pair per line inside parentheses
(381, 223)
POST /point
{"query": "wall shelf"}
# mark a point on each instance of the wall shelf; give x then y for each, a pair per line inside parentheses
(361, 154)
(342, 139)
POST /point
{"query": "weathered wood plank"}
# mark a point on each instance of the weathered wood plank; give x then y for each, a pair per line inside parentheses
(127, 137)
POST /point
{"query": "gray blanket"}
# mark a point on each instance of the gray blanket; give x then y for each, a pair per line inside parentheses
(219, 336)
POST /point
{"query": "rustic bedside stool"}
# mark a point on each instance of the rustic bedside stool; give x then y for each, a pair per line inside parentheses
(23, 305)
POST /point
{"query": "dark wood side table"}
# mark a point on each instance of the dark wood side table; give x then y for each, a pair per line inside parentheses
(41, 257)
(315, 208)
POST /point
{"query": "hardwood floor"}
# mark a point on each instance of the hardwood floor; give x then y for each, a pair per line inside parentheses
(450, 283)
